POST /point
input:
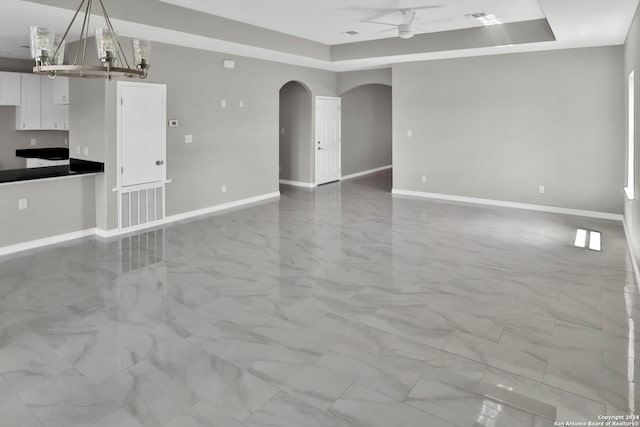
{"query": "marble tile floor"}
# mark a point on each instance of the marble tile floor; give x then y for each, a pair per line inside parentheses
(339, 306)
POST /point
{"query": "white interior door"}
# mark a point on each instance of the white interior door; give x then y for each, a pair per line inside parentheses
(141, 125)
(327, 139)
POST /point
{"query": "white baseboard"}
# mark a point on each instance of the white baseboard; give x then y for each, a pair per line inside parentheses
(105, 234)
(632, 255)
(222, 207)
(515, 205)
(367, 172)
(34, 244)
(298, 183)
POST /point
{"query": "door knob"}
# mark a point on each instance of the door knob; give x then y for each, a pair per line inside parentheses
(159, 162)
(320, 148)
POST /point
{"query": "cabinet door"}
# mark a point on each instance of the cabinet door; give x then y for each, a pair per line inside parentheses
(61, 90)
(53, 116)
(9, 88)
(28, 112)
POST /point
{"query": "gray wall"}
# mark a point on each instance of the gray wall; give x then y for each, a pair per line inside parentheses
(498, 127)
(88, 124)
(296, 138)
(236, 147)
(351, 79)
(12, 140)
(366, 128)
(232, 146)
(56, 206)
(632, 62)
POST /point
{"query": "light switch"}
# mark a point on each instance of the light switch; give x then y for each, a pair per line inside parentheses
(188, 139)
(223, 103)
(23, 204)
(86, 151)
(409, 133)
(241, 104)
(33, 142)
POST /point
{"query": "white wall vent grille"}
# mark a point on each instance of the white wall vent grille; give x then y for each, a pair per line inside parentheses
(141, 205)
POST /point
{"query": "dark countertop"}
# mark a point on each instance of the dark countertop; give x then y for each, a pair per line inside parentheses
(53, 153)
(75, 167)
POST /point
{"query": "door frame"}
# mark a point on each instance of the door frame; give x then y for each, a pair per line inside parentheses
(315, 136)
(120, 86)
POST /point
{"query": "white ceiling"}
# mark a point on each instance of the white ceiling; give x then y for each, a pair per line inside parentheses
(326, 21)
(575, 23)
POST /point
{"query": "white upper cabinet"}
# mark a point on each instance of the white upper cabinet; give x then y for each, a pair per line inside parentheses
(61, 90)
(53, 116)
(9, 88)
(38, 109)
(28, 112)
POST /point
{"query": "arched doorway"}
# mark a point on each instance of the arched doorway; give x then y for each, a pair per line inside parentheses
(296, 135)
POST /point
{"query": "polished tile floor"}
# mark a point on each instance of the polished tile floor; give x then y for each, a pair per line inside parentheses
(342, 306)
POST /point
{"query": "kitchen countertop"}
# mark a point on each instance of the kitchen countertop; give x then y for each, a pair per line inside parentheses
(75, 167)
(52, 153)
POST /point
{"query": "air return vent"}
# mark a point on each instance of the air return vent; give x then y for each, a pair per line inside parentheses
(141, 206)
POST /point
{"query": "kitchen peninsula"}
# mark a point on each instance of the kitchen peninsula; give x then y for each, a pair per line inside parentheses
(75, 167)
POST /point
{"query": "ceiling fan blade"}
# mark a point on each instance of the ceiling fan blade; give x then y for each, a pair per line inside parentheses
(435, 6)
(380, 23)
(433, 21)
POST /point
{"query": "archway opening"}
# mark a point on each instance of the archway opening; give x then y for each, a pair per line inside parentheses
(296, 135)
(367, 131)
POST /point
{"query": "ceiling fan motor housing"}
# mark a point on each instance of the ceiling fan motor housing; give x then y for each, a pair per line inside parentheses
(405, 31)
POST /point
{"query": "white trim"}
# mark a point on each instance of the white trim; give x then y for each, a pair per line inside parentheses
(367, 172)
(630, 187)
(629, 192)
(298, 183)
(634, 261)
(516, 205)
(34, 244)
(105, 234)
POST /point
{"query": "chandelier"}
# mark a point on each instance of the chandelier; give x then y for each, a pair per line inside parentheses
(48, 51)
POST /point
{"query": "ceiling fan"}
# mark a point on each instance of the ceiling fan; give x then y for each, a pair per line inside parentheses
(406, 28)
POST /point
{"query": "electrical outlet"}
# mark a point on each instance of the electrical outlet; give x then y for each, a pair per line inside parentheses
(424, 179)
(223, 188)
(34, 142)
(86, 151)
(188, 139)
(541, 189)
(23, 204)
(282, 131)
